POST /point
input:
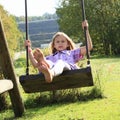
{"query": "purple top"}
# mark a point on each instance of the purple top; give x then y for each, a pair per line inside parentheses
(69, 56)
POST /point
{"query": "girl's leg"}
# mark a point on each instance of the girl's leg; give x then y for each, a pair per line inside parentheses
(44, 65)
(47, 73)
(59, 67)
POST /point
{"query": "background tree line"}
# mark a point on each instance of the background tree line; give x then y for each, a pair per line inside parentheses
(45, 16)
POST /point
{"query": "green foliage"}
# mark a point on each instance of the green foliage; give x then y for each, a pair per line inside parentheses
(46, 51)
(103, 17)
(69, 14)
(12, 33)
(20, 63)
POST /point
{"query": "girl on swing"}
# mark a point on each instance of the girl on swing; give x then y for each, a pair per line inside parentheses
(64, 55)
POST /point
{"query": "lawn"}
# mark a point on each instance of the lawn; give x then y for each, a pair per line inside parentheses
(106, 72)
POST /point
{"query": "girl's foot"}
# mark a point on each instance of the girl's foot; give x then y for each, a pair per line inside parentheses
(38, 54)
(47, 73)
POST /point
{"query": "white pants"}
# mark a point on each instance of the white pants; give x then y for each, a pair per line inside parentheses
(58, 67)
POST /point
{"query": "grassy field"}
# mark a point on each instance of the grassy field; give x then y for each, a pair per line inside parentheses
(106, 72)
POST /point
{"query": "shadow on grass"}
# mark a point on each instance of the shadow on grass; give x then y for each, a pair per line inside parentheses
(64, 97)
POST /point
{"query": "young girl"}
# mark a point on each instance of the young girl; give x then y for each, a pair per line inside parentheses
(64, 55)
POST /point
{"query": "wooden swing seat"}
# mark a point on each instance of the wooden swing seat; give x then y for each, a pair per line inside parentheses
(68, 79)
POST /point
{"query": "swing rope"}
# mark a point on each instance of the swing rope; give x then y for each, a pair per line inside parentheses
(85, 33)
(26, 28)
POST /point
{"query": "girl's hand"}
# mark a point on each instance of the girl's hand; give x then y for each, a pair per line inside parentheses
(85, 24)
(27, 43)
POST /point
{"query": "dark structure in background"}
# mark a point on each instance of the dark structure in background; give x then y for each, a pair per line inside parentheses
(41, 32)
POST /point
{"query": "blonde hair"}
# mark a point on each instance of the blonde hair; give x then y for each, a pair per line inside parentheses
(71, 43)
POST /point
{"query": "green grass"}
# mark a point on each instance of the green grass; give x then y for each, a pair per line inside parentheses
(106, 72)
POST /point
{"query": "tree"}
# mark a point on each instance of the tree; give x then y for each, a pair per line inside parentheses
(13, 35)
(69, 14)
(102, 16)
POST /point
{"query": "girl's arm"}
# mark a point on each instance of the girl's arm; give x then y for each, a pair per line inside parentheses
(89, 41)
(31, 57)
(30, 54)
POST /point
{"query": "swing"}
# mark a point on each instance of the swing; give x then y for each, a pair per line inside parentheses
(68, 79)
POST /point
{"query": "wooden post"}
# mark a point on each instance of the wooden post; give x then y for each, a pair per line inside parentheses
(8, 72)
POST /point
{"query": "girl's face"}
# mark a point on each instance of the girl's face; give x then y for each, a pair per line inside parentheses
(60, 43)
